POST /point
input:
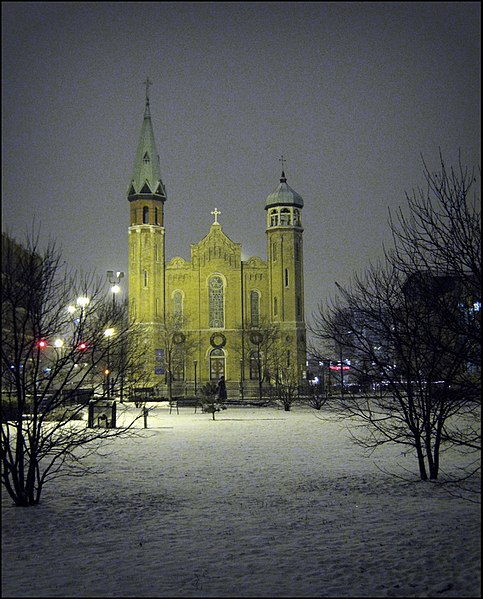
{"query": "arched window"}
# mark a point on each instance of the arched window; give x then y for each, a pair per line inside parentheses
(286, 277)
(145, 278)
(178, 306)
(274, 251)
(255, 308)
(273, 218)
(156, 216)
(215, 302)
(217, 364)
(275, 306)
(145, 215)
(285, 216)
(254, 370)
(296, 218)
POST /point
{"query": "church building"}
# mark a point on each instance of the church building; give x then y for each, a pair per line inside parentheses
(216, 314)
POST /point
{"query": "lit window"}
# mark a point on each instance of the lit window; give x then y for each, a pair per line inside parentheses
(217, 364)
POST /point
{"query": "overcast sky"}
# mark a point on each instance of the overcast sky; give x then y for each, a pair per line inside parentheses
(352, 94)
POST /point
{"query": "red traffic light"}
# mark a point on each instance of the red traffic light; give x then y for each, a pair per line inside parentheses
(41, 343)
(82, 346)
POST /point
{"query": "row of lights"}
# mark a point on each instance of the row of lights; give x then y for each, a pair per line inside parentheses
(81, 303)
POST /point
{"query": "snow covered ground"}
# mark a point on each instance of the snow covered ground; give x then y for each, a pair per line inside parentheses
(258, 503)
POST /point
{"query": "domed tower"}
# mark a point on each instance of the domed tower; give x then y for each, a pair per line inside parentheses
(286, 272)
(146, 195)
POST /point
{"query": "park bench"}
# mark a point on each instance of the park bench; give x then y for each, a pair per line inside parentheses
(181, 402)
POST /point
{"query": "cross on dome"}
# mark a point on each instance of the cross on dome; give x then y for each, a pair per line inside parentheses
(147, 83)
(216, 212)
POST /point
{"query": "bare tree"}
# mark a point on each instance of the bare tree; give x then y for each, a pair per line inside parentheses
(261, 352)
(54, 342)
(415, 320)
(287, 380)
(178, 346)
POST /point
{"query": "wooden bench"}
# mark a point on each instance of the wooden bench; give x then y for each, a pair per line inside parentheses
(181, 402)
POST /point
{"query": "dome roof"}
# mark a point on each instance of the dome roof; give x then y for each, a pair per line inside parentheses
(284, 195)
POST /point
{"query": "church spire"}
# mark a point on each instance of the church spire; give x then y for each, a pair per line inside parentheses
(146, 177)
(147, 83)
(283, 178)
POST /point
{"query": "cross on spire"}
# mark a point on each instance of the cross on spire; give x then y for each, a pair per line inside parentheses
(282, 160)
(216, 212)
(147, 83)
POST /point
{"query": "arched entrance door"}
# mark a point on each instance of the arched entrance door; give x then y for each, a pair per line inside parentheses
(217, 364)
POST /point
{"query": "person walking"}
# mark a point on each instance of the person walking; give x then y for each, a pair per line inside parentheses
(221, 390)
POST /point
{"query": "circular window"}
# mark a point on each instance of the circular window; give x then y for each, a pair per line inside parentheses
(217, 340)
(179, 338)
(256, 337)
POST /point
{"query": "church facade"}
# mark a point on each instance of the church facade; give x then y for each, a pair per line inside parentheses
(215, 314)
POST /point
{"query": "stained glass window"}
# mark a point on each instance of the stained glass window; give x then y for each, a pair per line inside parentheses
(178, 305)
(217, 319)
(254, 308)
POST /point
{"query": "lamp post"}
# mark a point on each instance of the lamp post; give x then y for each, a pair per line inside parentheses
(108, 333)
(241, 378)
(195, 364)
(114, 280)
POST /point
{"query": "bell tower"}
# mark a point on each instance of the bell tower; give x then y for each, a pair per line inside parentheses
(147, 195)
(286, 274)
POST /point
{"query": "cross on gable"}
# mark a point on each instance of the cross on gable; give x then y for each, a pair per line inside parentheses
(216, 212)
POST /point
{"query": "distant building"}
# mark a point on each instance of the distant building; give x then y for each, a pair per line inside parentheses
(215, 302)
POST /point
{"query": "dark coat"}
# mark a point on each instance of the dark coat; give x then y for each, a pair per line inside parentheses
(221, 389)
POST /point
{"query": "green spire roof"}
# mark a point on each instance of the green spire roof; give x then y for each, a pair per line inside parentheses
(284, 195)
(146, 178)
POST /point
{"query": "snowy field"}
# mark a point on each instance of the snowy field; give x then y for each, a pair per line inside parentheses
(258, 503)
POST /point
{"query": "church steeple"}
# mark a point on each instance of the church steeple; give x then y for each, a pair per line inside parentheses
(146, 177)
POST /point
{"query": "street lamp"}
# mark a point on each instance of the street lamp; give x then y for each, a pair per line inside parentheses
(108, 333)
(241, 377)
(114, 280)
(195, 364)
(82, 302)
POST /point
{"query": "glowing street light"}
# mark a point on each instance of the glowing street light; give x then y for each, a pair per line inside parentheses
(114, 280)
(108, 333)
(82, 301)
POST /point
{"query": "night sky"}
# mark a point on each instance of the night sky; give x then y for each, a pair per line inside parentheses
(351, 94)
